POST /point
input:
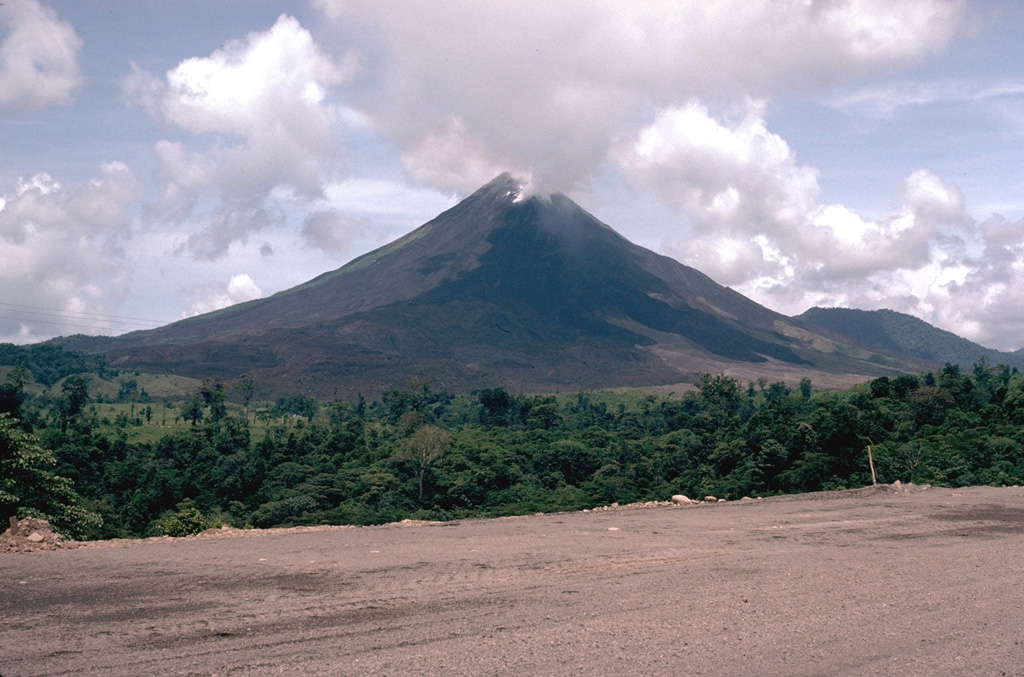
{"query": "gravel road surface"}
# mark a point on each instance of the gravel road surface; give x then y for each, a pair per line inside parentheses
(867, 582)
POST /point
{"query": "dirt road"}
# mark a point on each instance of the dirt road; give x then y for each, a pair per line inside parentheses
(852, 583)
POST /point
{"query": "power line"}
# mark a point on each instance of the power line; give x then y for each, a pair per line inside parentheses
(23, 320)
(78, 314)
(78, 319)
(86, 319)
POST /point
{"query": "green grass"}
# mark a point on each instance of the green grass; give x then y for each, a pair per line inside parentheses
(168, 421)
(164, 421)
(159, 386)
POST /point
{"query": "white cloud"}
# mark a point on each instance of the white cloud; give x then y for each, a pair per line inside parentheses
(986, 296)
(756, 223)
(724, 177)
(454, 160)
(264, 103)
(332, 231)
(62, 252)
(547, 88)
(38, 57)
(736, 182)
(209, 297)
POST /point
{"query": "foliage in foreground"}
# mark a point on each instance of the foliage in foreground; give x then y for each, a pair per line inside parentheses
(29, 487)
(422, 454)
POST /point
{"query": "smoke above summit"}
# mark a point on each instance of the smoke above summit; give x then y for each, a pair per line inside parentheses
(470, 89)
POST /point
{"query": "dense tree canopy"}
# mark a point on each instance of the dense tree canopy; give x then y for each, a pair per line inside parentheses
(422, 454)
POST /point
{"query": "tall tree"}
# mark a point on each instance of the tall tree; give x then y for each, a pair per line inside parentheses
(212, 392)
(192, 409)
(247, 388)
(423, 448)
(74, 395)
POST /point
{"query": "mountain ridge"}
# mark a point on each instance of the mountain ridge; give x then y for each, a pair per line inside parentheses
(531, 293)
(900, 333)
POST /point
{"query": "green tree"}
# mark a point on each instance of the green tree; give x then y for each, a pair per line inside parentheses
(192, 409)
(12, 393)
(247, 388)
(74, 395)
(128, 391)
(212, 392)
(423, 448)
(805, 388)
(29, 488)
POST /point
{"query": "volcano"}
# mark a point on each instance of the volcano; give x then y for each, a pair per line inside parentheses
(529, 293)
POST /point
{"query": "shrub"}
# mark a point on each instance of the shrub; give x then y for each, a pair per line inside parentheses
(185, 522)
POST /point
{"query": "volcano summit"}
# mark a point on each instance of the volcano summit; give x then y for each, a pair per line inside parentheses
(532, 294)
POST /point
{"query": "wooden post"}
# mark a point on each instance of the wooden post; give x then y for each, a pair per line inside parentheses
(14, 523)
(872, 464)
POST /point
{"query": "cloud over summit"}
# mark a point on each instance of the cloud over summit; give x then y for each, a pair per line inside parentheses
(548, 87)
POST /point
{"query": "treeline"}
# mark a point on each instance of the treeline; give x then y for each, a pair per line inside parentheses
(421, 454)
(50, 363)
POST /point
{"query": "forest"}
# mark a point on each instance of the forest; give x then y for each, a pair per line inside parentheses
(219, 457)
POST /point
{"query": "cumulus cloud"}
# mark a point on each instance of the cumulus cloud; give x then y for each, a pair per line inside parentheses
(264, 102)
(38, 57)
(62, 250)
(757, 223)
(986, 296)
(546, 88)
(725, 177)
(209, 297)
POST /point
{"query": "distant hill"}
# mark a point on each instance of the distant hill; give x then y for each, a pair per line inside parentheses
(902, 334)
(532, 294)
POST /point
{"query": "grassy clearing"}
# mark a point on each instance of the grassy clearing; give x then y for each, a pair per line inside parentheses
(157, 386)
(149, 422)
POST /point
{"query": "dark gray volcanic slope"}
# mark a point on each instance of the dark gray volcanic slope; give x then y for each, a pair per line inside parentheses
(533, 294)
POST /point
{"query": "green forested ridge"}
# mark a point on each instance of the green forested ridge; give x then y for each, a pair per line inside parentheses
(907, 335)
(417, 453)
(49, 363)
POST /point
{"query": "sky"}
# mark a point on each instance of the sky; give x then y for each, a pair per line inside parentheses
(166, 158)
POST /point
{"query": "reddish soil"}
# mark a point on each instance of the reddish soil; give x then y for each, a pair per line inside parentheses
(866, 582)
